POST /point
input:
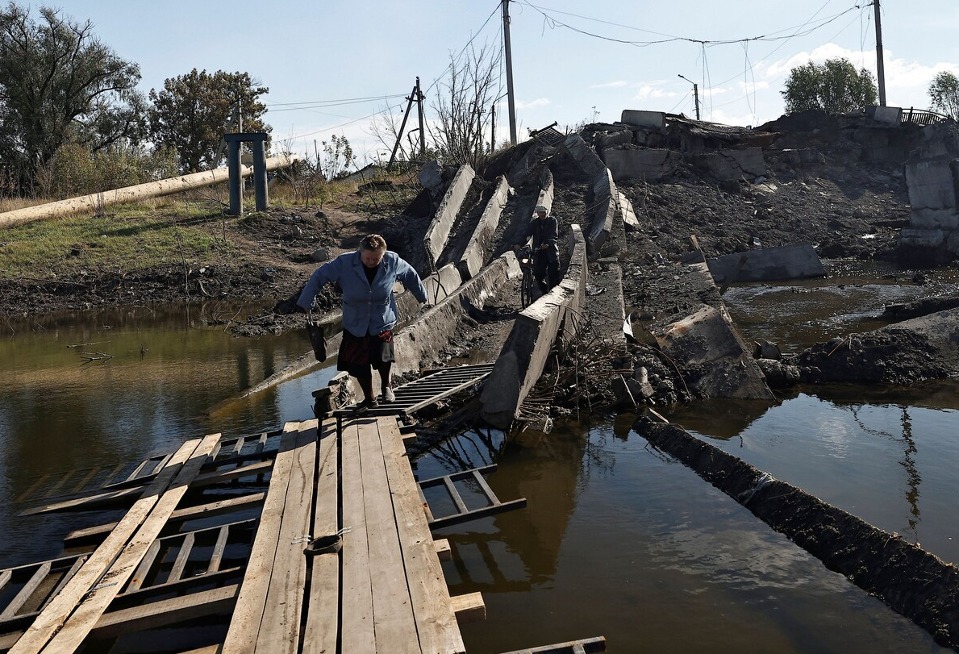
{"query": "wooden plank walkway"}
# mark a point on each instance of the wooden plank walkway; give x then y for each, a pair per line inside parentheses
(380, 590)
(383, 590)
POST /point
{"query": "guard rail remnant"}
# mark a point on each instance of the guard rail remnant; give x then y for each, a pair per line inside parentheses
(523, 356)
(439, 230)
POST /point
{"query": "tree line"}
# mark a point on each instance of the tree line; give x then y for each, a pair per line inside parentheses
(72, 120)
(71, 114)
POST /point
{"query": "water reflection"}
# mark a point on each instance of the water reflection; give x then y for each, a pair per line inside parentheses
(66, 420)
(620, 540)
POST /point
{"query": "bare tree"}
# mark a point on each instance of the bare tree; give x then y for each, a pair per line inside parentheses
(463, 111)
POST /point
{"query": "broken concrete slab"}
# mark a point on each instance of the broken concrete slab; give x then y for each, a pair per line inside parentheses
(730, 165)
(584, 156)
(885, 114)
(545, 196)
(768, 264)
(630, 221)
(524, 355)
(431, 176)
(640, 118)
(604, 302)
(420, 342)
(712, 356)
(601, 220)
(438, 231)
(481, 241)
(651, 164)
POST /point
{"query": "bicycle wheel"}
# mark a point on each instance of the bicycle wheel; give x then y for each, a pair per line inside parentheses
(526, 287)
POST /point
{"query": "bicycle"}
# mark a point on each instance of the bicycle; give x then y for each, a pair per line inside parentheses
(525, 257)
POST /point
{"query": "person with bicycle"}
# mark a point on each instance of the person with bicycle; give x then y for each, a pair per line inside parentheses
(544, 231)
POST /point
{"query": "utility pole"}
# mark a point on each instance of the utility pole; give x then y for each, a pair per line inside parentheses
(509, 74)
(879, 64)
(419, 107)
(492, 138)
(695, 94)
(415, 96)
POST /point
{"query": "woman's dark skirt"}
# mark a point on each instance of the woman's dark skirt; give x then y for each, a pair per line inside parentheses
(360, 355)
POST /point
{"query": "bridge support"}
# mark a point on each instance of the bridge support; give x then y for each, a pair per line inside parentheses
(258, 141)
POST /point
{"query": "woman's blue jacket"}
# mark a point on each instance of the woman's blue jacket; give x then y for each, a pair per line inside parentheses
(367, 308)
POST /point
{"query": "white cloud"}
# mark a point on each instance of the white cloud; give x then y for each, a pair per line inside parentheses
(538, 103)
(617, 84)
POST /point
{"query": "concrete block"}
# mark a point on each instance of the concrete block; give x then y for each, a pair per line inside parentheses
(439, 229)
(630, 221)
(801, 156)
(442, 283)
(887, 115)
(926, 218)
(585, 157)
(730, 165)
(707, 341)
(431, 176)
(614, 139)
(419, 343)
(640, 118)
(768, 264)
(931, 183)
(524, 355)
(639, 163)
(481, 241)
(606, 201)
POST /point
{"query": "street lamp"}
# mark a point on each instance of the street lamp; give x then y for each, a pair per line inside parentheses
(695, 94)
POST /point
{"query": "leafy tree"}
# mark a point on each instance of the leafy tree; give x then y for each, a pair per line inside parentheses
(193, 111)
(944, 92)
(60, 84)
(835, 87)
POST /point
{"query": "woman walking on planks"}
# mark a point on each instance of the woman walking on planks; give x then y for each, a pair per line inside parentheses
(367, 277)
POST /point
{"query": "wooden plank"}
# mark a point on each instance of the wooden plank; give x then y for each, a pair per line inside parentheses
(586, 646)
(280, 628)
(455, 496)
(188, 513)
(52, 618)
(220, 476)
(28, 589)
(92, 500)
(393, 621)
(27, 494)
(179, 565)
(249, 616)
(469, 607)
(217, 557)
(322, 618)
(97, 598)
(439, 631)
(356, 609)
(5, 577)
(443, 550)
(144, 568)
(67, 576)
(86, 479)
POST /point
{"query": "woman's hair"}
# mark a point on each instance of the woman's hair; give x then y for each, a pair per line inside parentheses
(373, 242)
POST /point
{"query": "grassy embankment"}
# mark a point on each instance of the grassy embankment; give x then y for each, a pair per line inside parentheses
(184, 228)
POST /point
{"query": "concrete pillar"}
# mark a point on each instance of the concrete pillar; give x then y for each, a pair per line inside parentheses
(260, 188)
(236, 182)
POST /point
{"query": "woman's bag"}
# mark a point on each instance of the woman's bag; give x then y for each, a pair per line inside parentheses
(317, 339)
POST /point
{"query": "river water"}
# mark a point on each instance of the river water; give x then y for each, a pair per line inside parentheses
(617, 539)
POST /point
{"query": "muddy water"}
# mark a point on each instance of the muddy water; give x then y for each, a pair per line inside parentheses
(617, 539)
(87, 394)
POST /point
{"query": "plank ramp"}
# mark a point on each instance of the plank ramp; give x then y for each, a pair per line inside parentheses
(74, 612)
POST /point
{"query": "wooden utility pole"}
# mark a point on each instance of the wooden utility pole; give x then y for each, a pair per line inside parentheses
(879, 64)
(511, 101)
(417, 97)
(419, 107)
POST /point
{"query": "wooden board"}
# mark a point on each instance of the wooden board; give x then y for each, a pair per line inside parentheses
(267, 611)
(323, 605)
(62, 626)
(438, 630)
(393, 621)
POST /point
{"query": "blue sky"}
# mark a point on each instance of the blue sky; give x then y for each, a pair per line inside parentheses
(333, 65)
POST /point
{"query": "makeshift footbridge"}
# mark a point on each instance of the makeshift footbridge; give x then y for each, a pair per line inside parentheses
(313, 538)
